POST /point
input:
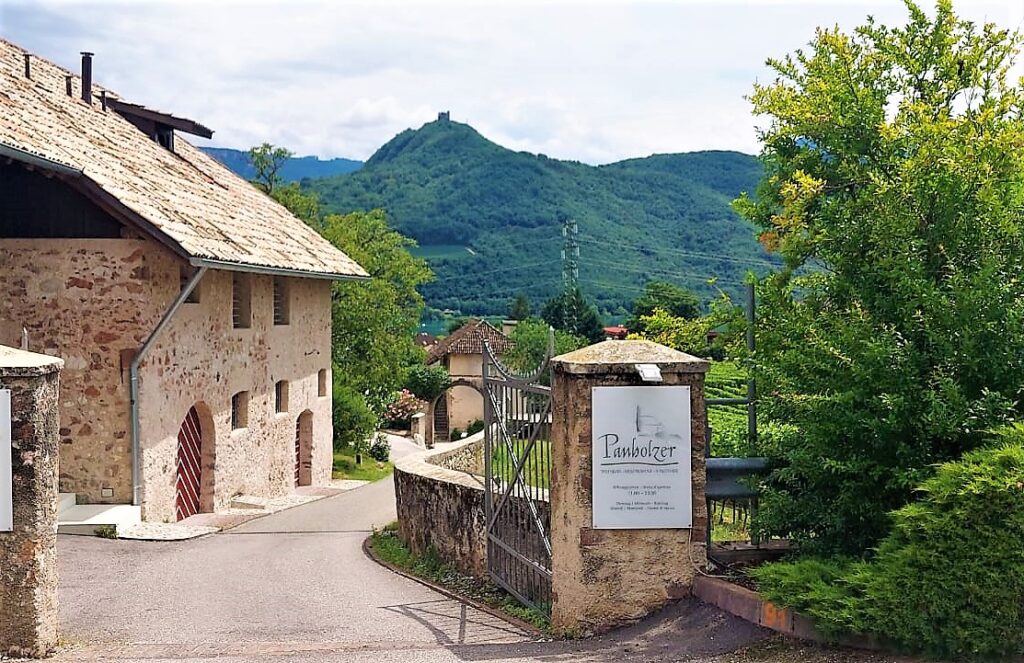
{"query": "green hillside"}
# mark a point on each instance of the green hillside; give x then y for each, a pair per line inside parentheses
(488, 218)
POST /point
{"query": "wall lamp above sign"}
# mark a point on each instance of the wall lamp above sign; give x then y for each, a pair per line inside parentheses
(649, 372)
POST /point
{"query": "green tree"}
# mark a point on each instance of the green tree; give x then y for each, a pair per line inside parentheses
(672, 299)
(267, 160)
(519, 307)
(530, 340)
(571, 312)
(375, 320)
(892, 337)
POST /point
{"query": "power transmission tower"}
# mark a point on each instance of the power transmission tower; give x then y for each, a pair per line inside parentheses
(570, 253)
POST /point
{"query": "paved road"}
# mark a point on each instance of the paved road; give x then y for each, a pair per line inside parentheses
(295, 586)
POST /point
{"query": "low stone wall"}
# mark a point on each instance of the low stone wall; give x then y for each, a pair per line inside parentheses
(467, 456)
(443, 508)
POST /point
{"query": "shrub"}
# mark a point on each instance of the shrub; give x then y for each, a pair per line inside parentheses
(401, 409)
(380, 450)
(455, 434)
(948, 580)
(475, 427)
(427, 382)
(354, 421)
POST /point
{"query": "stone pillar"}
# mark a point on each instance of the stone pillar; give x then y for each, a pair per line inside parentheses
(607, 577)
(28, 555)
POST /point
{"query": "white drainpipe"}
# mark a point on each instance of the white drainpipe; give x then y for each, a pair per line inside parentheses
(133, 381)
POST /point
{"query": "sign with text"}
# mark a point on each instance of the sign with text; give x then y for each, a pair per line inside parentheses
(6, 470)
(641, 458)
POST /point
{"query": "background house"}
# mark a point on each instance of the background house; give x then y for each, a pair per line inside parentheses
(461, 354)
(192, 311)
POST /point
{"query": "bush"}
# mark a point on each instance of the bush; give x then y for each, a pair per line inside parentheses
(427, 382)
(380, 450)
(475, 427)
(399, 412)
(455, 434)
(949, 578)
(354, 421)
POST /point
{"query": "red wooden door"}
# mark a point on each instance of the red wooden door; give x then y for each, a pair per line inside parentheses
(298, 451)
(190, 470)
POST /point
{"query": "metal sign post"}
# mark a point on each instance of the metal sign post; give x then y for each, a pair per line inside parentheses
(6, 469)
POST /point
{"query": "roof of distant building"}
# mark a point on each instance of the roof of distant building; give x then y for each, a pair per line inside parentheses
(469, 340)
(183, 198)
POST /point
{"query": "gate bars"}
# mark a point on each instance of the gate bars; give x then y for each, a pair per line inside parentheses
(517, 469)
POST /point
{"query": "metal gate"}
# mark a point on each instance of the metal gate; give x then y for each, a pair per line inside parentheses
(189, 480)
(517, 465)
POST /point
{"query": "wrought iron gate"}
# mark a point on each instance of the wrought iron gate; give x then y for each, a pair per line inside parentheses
(517, 465)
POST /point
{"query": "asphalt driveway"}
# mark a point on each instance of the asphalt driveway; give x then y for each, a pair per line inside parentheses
(296, 586)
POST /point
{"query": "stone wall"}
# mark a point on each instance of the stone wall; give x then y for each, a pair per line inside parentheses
(95, 301)
(466, 457)
(443, 508)
(28, 556)
(607, 577)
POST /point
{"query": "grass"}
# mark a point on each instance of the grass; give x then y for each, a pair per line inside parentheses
(537, 471)
(429, 566)
(369, 470)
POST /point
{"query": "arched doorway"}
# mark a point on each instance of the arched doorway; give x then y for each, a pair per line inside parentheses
(466, 406)
(194, 476)
(304, 449)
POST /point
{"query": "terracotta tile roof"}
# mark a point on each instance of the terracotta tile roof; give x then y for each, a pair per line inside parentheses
(468, 340)
(185, 196)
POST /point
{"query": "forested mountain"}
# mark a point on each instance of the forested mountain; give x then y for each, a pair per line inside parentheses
(488, 218)
(294, 169)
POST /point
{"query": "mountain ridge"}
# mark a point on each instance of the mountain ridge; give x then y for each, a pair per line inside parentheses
(294, 169)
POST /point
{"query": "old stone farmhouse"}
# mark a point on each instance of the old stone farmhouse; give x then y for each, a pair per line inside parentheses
(462, 354)
(193, 312)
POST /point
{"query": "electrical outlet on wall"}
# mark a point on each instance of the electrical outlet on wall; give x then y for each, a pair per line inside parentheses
(107, 492)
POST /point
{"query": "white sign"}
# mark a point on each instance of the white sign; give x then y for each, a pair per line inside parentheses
(641, 458)
(6, 470)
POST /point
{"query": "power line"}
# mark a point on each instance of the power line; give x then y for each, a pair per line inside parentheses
(626, 267)
(510, 268)
(693, 254)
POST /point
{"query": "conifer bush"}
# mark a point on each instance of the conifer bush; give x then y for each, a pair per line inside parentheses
(947, 581)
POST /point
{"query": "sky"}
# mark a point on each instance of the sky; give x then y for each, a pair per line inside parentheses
(590, 81)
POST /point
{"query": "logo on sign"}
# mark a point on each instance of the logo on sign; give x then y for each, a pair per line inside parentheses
(650, 445)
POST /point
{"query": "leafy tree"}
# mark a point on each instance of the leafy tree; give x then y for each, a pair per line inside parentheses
(672, 299)
(519, 307)
(267, 160)
(530, 340)
(375, 320)
(892, 338)
(427, 382)
(571, 312)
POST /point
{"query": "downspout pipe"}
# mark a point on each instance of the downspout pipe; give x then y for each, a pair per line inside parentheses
(133, 381)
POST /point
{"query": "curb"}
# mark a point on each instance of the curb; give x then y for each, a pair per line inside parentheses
(440, 589)
(748, 604)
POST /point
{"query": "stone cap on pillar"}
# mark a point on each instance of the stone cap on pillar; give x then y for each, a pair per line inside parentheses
(15, 363)
(623, 356)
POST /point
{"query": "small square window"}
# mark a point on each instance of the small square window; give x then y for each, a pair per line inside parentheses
(185, 275)
(281, 396)
(241, 301)
(281, 303)
(240, 410)
(321, 383)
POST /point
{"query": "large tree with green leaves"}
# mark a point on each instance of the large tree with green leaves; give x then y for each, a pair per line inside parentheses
(571, 312)
(675, 301)
(375, 320)
(893, 337)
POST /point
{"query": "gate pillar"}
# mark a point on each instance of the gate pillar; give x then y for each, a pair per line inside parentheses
(29, 426)
(632, 538)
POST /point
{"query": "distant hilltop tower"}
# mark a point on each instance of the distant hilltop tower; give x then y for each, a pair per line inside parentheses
(444, 116)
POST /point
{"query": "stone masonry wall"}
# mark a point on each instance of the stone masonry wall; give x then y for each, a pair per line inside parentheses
(28, 555)
(442, 508)
(94, 302)
(608, 577)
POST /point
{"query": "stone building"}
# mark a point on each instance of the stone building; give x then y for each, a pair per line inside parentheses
(193, 312)
(462, 354)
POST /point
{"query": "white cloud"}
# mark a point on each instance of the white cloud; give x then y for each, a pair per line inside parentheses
(593, 81)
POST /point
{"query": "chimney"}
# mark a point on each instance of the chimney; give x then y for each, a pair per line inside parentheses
(28, 66)
(87, 77)
(103, 100)
(67, 83)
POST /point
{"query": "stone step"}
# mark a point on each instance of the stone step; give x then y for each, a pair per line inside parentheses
(86, 518)
(65, 501)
